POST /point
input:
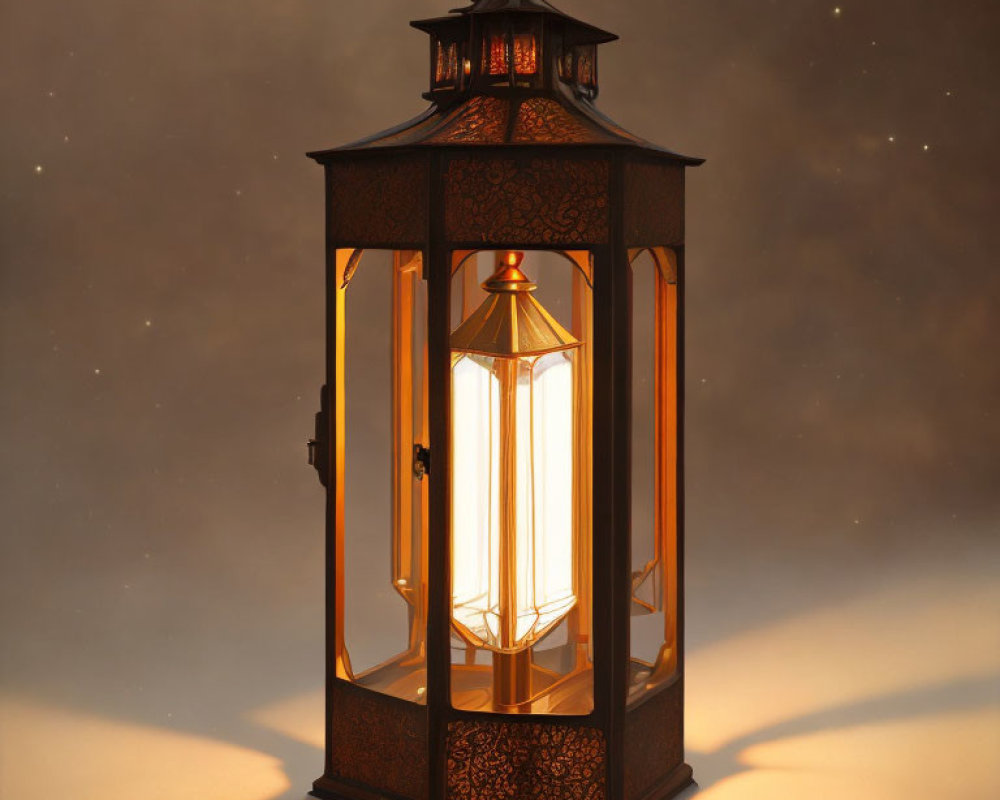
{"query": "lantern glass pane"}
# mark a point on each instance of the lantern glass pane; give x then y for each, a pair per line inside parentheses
(446, 64)
(566, 65)
(521, 428)
(586, 65)
(381, 621)
(496, 59)
(525, 53)
(653, 621)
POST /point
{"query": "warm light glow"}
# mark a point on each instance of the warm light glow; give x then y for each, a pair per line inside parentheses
(497, 56)
(525, 54)
(542, 543)
(861, 709)
(104, 757)
(446, 70)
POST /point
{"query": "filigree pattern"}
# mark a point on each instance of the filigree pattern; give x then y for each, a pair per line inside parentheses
(508, 761)
(654, 205)
(378, 202)
(379, 741)
(483, 120)
(542, 201)
(653, 740)
(545, 121)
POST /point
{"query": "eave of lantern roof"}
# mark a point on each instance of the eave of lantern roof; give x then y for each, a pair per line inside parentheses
(524, 120)
(592, 32)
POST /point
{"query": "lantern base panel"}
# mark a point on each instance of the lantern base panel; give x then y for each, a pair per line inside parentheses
(672, 785)
(332, 789)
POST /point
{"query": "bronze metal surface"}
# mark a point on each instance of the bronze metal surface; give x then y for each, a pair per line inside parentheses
(490, 759)
(378, 741)
(543, 201)
(654, 743)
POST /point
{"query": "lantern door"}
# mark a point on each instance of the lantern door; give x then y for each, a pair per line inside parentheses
(377, 522)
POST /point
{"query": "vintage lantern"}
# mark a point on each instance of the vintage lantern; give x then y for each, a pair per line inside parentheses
(500, 434)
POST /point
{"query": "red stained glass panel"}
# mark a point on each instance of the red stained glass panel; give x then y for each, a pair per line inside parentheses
(525, 54)
(446, 69)
(496, 55)
(586, 65)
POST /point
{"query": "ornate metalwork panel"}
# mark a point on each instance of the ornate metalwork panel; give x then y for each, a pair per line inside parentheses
(483, 120)
(654, 204)
(379, 741)
(379, 202)
(543, 120)
(654, 745)
(514, 761)
(543, 201)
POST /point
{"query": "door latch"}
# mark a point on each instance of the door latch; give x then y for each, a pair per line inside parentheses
(421, 461)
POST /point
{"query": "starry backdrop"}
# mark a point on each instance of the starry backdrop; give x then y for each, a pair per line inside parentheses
(161, 350)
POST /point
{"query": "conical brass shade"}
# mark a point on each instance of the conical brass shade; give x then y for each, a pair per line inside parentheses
(511, 323)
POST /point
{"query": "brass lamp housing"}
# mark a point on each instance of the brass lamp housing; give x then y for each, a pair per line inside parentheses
(512, 157)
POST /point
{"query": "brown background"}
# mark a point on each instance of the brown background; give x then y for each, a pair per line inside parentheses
(161, 350)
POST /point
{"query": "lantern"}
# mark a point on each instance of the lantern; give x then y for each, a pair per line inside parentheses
(500, 434)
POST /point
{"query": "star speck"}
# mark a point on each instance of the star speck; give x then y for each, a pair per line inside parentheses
(892, 140)
(838, 12)
(149, 323)
(97, 371)
(39, 169)
(927, 147)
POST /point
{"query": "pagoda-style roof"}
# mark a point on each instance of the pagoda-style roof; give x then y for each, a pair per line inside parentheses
(509, 120)
(549, 102)
(536, 6)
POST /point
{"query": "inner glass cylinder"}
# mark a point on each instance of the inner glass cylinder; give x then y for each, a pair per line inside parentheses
(520, 449)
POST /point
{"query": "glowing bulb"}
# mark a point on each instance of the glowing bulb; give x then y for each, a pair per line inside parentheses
(513, 537)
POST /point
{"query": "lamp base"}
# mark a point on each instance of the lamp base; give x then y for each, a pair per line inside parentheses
(672, 785)
(332, 789)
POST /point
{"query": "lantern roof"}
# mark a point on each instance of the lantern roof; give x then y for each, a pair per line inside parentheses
(550, 110)
(531, 6)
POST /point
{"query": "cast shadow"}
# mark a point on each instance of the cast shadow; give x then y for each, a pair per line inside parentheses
(941, 698)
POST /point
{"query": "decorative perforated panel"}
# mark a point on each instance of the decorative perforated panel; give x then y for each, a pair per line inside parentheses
(379, 741)
(510, 761)
(654, 745)
(379, 202)
(654, 205)
(530, 201)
